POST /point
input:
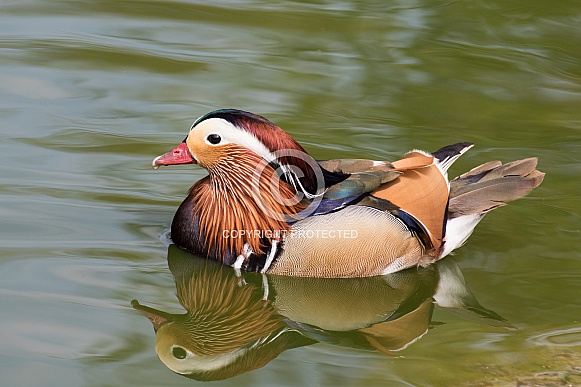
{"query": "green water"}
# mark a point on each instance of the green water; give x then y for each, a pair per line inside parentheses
(91, 91)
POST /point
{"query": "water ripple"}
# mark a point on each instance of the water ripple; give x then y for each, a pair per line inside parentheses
(567, 337)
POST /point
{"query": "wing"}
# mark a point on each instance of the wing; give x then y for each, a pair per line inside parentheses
(421, 191)
(363, 176)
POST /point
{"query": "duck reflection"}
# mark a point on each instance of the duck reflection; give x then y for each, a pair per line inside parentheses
(235, 323)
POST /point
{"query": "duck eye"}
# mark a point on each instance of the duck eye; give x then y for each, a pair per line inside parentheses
(214, 138)
(179, 353)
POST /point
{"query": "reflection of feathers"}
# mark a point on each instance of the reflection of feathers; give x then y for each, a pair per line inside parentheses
(230, 328)
(383, 313)
(396, 335)
(223, 316)
(344, 304)
(454, 296)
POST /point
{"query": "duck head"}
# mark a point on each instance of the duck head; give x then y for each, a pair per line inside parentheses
(222, 140)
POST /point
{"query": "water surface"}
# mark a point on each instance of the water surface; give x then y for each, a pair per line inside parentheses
(91, 91)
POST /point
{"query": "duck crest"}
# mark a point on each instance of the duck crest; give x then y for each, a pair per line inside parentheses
(243, 206)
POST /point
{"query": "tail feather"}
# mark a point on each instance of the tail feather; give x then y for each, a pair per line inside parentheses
(492, 185)
(483, 189)
(479, 170)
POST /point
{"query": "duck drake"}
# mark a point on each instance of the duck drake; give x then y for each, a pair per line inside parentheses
(267, 206)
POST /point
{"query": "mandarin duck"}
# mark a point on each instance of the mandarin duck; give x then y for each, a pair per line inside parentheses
(268, 206)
